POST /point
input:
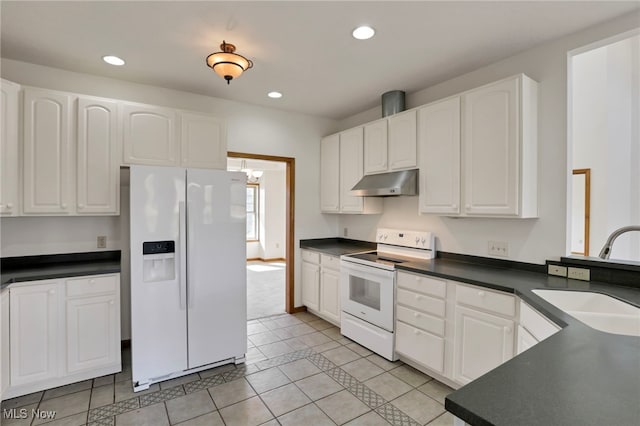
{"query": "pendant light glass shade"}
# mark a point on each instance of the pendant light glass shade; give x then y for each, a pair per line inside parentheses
(227, 64)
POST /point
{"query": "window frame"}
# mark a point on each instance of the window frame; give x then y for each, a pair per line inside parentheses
(256, 210)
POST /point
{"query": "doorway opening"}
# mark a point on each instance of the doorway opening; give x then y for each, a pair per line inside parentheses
(270, 235)
(604, 146)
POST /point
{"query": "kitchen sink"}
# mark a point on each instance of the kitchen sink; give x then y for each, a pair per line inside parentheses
(596, 310)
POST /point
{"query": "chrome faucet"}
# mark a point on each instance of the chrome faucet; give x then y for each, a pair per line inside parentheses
(606, 250)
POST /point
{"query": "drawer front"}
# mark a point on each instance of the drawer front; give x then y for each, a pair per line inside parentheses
(499, 303)
(421, 302)
(92, 285)
(331, 262)
(421, 320)
(421, 346)
(423, 284)
(310, 256)
(536, 323)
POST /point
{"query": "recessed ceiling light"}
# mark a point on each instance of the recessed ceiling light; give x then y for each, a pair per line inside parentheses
(363, 33)
(113, 60)
(274, 95)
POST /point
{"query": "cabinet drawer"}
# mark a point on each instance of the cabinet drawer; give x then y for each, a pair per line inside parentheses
(423, 284)
(328, 261)
(499, 303)
(421, 302)
(421, 346)
(421, 320)
(536, 323)
(310, 256)
(92, 285)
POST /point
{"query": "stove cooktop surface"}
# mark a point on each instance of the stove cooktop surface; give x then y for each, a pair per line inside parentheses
(381, 258)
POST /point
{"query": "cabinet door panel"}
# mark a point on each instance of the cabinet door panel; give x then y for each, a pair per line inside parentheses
(47, 151)
(439, 148)
(375, 147)
(149, 135)
(330, 174)
(311, 285)
(330, 295)
(491, 149)
(402, 141)
(9, 148)
(34, 332)
(482, 342)
(93, 333)
(421, 346)
(351, 159)
(203, 142)
(98, 183)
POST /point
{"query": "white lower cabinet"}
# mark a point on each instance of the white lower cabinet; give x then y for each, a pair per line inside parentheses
(92, 323)
(482, 342)
(62, 331)
(321, 285)
(330, 288)
(525, 340)
(311, 285)
(34, 332)
(421, 320)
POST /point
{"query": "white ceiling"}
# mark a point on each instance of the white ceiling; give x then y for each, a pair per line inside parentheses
(303, 49)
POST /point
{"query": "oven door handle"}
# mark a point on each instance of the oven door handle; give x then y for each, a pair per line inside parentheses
(366, 269)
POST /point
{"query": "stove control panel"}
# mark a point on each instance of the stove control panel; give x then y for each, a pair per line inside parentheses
(404, 238)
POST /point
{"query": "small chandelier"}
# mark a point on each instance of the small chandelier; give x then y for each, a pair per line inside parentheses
(227, 64)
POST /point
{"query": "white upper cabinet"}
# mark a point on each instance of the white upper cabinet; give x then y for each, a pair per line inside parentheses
(402, 141)
(439, 162)
(9, 104)
(98, 160)
(47, 164)
(390, 143)
(375, 147)
(341, 167)
(351, 168)
(478, 152)
(149, 135)
(500, 149)
(330, 174)
(203, 141)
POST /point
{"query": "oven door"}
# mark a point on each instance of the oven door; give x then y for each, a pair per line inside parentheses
(368, 293)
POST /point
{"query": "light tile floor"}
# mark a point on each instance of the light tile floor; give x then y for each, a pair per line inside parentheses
(299, 371)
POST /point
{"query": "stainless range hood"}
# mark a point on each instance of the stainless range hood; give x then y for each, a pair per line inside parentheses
(404, 182)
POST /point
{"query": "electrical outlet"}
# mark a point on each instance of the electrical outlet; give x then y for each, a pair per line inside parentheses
(560, 271)
(102, 241)
(277, 245)
(579, 274)
(498, 248)
(345, 231)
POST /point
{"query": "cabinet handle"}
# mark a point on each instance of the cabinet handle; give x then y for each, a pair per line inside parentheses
(417, 315)
(63, 205)
(112, 302)
(416, 332)
(418, 297)
(81, 206)
(9, 206)
(52, 292)
(481, 293)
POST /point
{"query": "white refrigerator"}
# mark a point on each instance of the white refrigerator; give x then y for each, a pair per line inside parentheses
(188, 271)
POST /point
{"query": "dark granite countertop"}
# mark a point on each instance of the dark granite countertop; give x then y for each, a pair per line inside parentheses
(337, 246)
(579, 376)
(31, 268)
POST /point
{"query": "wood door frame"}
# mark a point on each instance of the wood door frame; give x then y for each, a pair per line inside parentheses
(290, 220)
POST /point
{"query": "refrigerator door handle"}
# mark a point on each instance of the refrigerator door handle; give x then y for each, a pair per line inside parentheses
(183, 254)
(191, 267)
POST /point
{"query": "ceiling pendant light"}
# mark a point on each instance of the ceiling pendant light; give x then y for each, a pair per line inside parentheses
(227, 64)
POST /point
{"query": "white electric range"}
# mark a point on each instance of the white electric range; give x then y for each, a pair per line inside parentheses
(367, 282)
